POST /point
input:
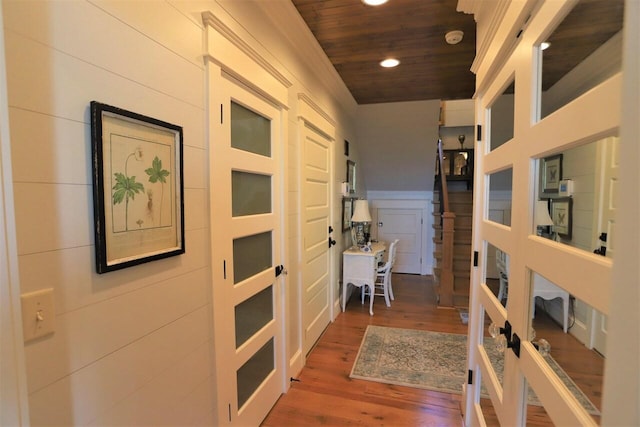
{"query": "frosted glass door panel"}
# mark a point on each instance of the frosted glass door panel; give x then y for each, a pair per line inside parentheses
(252, 314)
(254, 372)
(250, 193)
(250, 131)
(251, 255)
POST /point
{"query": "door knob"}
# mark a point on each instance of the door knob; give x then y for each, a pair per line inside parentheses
(331, 242)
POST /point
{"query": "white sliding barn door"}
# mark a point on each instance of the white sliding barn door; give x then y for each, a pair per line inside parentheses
(527, 132)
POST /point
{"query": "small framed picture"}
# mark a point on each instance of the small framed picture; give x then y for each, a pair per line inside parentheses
(347, 213)
(551, 174)
(137, 188)
(351, 176)
(561, 215)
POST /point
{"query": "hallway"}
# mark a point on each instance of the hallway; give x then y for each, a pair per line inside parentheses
(325, 395)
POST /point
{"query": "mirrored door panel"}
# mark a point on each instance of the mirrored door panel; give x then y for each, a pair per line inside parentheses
(501, 117)
(575, 58)
(500, 196)
(563, 328)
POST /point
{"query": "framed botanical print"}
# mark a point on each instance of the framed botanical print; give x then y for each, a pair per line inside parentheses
(351, 176)
(137, 188)
(347, 212)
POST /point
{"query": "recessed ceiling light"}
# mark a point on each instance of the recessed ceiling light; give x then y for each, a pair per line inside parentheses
(374, 2)
(544, 45)
(390, 63)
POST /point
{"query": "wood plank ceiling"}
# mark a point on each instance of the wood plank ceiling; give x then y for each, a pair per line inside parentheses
(356, 37)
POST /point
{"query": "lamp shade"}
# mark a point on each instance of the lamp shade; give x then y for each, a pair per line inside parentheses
(361, 212)
(541, 215)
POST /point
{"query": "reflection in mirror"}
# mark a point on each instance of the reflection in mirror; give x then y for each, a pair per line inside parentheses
(577, 192)
(576, 337)
(500, 186)
(537, 415)
(582, 52)
(493, 348)
(497, 273)
(488, 411)
(501, 115)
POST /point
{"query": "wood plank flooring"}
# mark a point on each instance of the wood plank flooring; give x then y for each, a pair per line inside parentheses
(325, 395)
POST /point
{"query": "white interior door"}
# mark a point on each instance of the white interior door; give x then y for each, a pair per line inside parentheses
(406, 225)
(316, 197)
(246, 248)
(513, 144)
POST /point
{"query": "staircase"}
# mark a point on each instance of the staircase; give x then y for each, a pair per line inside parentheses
(461, 204)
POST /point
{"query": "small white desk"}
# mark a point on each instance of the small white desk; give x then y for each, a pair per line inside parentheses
(547, 290)
(359, 268)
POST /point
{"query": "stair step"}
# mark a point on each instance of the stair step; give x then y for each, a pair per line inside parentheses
(463, 248)
(459, 236)
(455, 196)
(456, 227)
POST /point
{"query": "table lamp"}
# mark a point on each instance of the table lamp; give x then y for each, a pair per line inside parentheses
(360, 218)
(541, 216)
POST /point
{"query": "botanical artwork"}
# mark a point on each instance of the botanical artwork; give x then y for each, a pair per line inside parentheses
(140, 173)
(137, 188)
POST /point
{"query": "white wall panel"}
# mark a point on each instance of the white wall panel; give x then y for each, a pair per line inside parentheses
(183, 36)
(63, 148)
(195, 209)
(160, 402)
(109, 44)
(81, 396)
(196, 163)
(71, 273)
(50, 216)
(90, 333)
(63, 86)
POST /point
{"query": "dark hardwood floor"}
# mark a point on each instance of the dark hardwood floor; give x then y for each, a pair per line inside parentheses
(325, 395)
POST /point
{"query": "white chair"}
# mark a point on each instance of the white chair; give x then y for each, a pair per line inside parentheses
(382, 286)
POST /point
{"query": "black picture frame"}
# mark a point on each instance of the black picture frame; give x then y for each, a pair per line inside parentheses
(551, 174)
(351, 176)
(138, 190)
(562, 216)
(347, 213)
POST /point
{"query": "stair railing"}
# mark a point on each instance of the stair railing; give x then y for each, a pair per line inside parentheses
(445, 288)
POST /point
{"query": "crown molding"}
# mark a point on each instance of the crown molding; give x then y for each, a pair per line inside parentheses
(315, 107)
(209, 19)
(288, 21)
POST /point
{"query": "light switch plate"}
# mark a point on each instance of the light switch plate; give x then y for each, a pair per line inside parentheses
(38, 314)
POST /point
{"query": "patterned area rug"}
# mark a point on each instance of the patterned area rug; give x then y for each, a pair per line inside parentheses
(432, 360)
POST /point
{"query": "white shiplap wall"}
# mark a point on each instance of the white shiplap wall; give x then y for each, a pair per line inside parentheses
(132, 346)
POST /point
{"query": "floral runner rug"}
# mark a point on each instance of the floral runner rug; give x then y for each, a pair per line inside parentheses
(434, 361)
